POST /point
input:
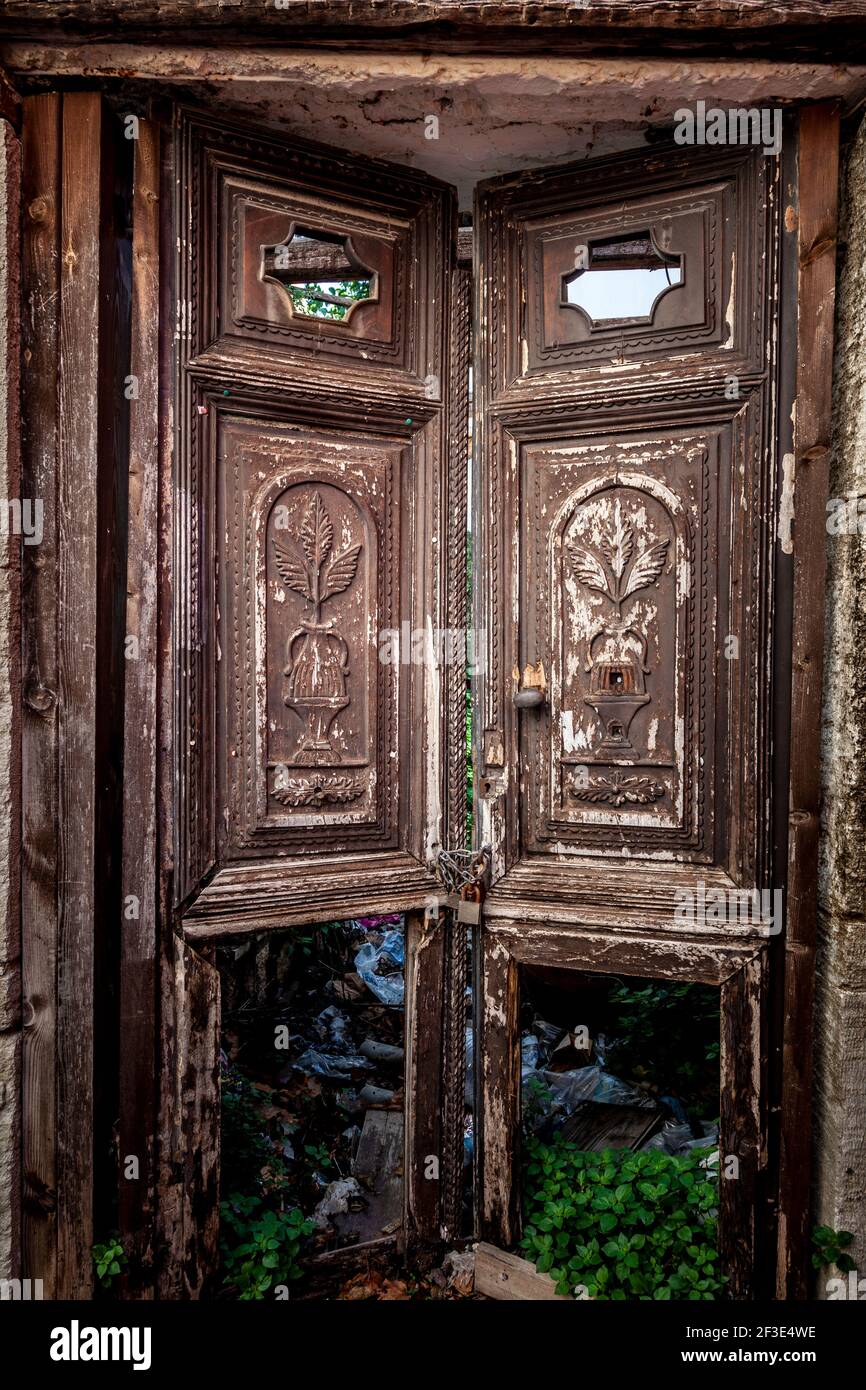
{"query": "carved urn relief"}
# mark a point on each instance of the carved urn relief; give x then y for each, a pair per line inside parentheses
(617, 549)
(616, 648)
(312, 566)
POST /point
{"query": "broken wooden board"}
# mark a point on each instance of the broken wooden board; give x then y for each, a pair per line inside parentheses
(378, 1166)
(595, 1125)
(499, 1274)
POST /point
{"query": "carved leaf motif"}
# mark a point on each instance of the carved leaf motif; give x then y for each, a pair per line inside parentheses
(617, 791)
(317, 533)
(588, 569)
(618, 547)
(340, 571)
(316, 790)
(647, 567)
(292, 570)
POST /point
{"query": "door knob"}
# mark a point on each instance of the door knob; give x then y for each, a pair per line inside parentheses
(530, 687)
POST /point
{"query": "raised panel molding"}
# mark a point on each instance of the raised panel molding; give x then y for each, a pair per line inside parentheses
(308, 524)
(627, 517)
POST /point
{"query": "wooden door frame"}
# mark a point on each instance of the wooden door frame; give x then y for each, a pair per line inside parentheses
(54, 1192)
(738, 970)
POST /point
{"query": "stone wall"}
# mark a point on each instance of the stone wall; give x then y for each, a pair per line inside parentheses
(840, 1026)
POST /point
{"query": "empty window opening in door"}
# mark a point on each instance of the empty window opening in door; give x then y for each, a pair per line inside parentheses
(620, 1112)
(311, 1092)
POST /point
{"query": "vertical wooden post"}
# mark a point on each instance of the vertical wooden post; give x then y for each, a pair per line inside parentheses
(138, 947)
(425, 960)
(41, 713)
(818, 198)
(77, 545)
(10, 700)
(73, 346)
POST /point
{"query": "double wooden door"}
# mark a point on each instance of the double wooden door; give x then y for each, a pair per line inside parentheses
(630, 530)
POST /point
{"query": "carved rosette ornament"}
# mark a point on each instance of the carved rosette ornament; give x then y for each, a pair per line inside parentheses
(616, 790)
(616, 649)
(317, 658)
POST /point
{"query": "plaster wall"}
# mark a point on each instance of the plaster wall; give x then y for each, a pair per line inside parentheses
(840, 1024)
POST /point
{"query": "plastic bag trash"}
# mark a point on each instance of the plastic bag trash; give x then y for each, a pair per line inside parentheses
(569, 1088)
(459, 1270)
(528, 1055)
(380, 967)
(335, 1068)
(468, 1140)
(336, 1201)
(548, 1034)
(708, 1140)
(672, 1138)
(332, 1024)
(677, 1109)
(615, 1092)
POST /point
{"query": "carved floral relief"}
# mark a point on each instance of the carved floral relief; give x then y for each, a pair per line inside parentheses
(311, 563)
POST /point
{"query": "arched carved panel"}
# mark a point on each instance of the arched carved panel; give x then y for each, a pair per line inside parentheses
(312, 578)
(320, 609)
(623, 584)
(313, 299)
(624, 559)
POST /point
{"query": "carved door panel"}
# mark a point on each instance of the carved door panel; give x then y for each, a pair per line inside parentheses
(627, 476)
(313, 314)
(627, 421)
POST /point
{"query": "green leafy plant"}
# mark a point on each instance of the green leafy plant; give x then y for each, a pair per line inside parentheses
(261, 1247)
(109, 1260)
(668, 1033)
(830, 1248)
(622, 1225)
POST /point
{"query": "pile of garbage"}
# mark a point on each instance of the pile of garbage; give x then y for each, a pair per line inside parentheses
(330, 1091)
(566, 1087)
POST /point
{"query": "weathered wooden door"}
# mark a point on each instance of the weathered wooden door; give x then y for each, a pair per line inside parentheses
(635, 527)
(308, 525)
(310, 536)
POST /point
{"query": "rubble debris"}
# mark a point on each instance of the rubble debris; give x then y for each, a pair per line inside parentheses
(313, 1077)
(597, 1125)
(380, 1052)
(337, 1199)
(459, 1270)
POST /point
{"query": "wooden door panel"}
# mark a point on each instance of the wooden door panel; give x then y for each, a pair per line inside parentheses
(323, 517)
(269, 230)
(697, 221)
(312, 341)
(627, 483)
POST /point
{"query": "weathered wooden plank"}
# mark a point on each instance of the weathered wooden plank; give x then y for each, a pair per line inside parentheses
(261, 16)
(743, 1124)
(188, 1145)
(595, 1126)
(818, 206)
(40, 713)
(425, 952)
(77, 583)
(501, 1275)
(10, 710)
(498, 1091)
(138, 952)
